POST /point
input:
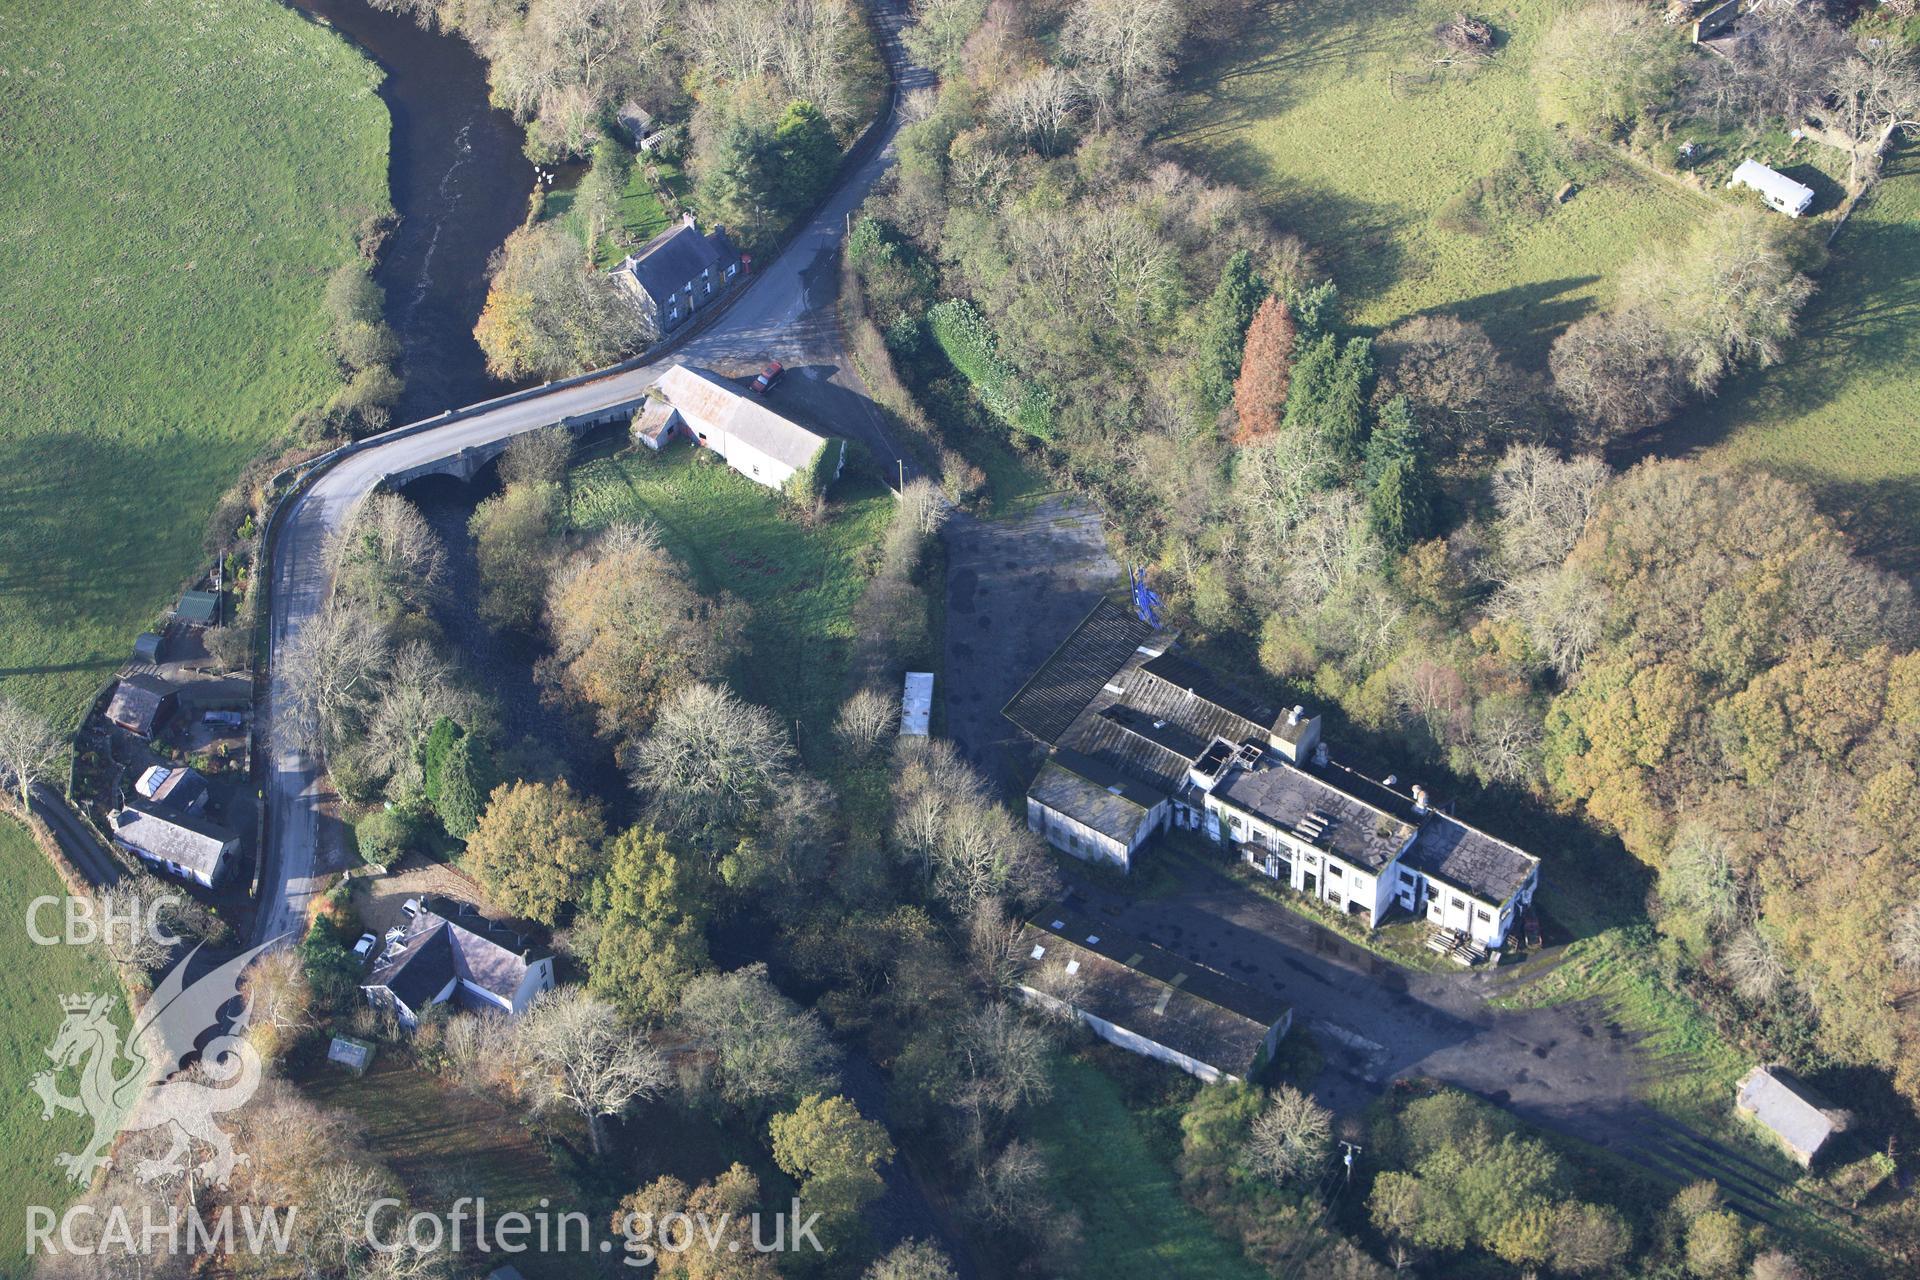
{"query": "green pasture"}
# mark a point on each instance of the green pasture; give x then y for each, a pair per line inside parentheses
(176, 183)
(1422, 188)
(30, 1017)
(1841, 413)
(801, 583)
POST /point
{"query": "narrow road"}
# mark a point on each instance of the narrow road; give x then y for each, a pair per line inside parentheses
(786, 310)
(75, 837)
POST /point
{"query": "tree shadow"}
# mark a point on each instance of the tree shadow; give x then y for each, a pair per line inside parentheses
(1254, 78)
(1527, 316)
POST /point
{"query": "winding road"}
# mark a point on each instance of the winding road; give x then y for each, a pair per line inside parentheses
(786, 310)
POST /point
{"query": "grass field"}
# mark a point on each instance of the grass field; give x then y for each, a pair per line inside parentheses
(443, 1144)
(1135, 1225)
(1840, 413)
(1330, 110)
(800, 583)
(29, 1016)
(175, 185)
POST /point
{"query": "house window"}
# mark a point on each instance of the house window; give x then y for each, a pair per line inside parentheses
(1333, 871)
(1483, 915)
(1457, 904)
(1334, 898)
(1039, 952)
(731, 268)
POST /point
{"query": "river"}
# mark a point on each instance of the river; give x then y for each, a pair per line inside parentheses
(459, 182)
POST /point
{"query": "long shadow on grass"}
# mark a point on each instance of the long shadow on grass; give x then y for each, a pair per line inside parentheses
(1535, 314)
(1257, 78)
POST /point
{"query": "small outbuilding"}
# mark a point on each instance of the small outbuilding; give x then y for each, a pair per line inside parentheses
(916, 704)
(354, 1054)
(146, 646)
(141, 704)
(1777, 189)
(1798, 1118)
(199, 608)
(656, 423)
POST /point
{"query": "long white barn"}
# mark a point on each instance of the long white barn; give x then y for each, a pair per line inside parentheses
(757, 442)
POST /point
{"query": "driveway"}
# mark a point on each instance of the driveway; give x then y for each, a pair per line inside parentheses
(1566, 1066)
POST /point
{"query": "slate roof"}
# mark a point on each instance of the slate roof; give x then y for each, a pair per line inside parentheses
(710, 404)
(1454, 853)
(1187, 1007)
(137, 702)
(1087, 791)
(1068, 681)
(183, 789)
(172, 836)
(667, 263)
(1278, 793)
(1799, 1117)
(437, 949)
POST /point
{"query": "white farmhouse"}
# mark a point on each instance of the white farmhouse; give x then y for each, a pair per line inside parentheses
(1142, 739)
(757, 442)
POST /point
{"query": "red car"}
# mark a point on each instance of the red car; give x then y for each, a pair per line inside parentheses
(765, 380)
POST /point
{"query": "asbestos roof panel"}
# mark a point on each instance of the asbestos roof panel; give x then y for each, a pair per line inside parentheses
(1780, 1102)
(1067, 682)
(1284, 796)
(712, 406)
(1088, 792)
(1450, 851)
(1133, 984)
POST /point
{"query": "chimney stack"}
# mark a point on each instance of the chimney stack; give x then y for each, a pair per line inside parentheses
(1419, 798)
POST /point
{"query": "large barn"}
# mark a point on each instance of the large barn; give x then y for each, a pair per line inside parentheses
(757, 442)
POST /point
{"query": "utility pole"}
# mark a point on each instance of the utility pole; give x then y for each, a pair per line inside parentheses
(1347, 1160)
(903, 473)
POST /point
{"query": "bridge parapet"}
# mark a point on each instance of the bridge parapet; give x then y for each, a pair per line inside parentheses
(466, 463)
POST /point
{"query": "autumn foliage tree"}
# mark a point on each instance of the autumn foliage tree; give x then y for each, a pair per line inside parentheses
(1266, 365)
(537, 847)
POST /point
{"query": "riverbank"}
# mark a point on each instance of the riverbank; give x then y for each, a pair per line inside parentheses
(459, 181)
(166, 245)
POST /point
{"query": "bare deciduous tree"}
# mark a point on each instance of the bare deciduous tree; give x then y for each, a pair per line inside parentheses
(1289, 1139)
(1039, 108)
(386, 553)
(1124, 49)
(1754, 965)
(1545, 502)
(767, 1048)
(1875, 97)
(29, 749)
(329, 670)
(537, 457)
(417, 691)
(866, 719)
(914, 1260)
(710, 759)
(581, 1056)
